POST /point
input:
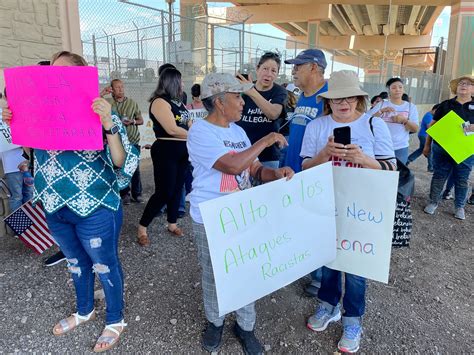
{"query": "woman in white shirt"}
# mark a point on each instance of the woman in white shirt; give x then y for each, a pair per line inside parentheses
(224, 162)
(400, 116)
(370, 147)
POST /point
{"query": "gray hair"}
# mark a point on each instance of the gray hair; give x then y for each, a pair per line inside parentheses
(209, 102)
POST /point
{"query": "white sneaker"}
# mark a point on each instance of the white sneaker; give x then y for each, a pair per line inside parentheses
(431, 208)
(459, 213)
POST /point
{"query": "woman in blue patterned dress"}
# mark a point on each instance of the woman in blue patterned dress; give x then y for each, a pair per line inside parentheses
(79, 191)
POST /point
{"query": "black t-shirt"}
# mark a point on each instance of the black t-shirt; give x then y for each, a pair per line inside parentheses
(465, 111)
(180, 113)
(257, 125)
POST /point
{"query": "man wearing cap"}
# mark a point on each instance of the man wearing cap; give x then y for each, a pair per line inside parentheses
(443, 164)
(308, 76)
(224, 161)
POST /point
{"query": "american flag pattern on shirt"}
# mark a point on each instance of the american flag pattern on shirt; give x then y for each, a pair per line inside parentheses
(29, 224)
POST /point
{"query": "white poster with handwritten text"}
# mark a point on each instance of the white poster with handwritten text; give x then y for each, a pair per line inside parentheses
(365, 210)
(266, 237)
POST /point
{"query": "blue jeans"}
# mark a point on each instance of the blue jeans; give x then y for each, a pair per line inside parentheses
(20, 193)
(316, 277)
(187, 187)
(182, 201)
(90, 245)
(354, 295)
(449, 185)
(443, 166)
(416, 154)
(402, 155)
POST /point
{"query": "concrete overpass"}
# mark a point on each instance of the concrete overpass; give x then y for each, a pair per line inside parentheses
(371, 29)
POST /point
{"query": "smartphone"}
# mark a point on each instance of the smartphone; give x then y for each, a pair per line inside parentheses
(246, 76)
(342, 135)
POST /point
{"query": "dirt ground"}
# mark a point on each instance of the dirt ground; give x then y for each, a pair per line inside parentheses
(427, 305)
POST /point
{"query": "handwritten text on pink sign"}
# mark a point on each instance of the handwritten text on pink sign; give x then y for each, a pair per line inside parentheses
(51, 107)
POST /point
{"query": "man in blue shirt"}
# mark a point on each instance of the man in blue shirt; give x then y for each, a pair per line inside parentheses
(427, 118)
(308, 76)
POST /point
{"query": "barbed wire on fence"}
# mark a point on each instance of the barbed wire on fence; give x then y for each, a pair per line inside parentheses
(135, 40)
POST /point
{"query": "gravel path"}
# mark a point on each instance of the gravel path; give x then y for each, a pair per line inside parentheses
(427, 305)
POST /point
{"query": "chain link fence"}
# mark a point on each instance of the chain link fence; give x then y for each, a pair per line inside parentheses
(130, 41)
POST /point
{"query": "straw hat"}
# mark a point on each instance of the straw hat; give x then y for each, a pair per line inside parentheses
(453, 84)
(343, 83)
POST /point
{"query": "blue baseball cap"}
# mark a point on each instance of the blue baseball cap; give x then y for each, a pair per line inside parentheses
(309, 56)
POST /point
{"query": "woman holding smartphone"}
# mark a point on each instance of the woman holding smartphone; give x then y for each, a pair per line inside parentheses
(264, 105)
(366, 143)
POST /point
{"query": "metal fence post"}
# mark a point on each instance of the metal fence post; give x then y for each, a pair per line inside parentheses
(94, 50)
(163, 37)
(108, 53)
(114, 50)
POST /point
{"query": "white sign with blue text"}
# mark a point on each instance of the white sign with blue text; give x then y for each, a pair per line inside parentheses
(266, 237)
(365, 210)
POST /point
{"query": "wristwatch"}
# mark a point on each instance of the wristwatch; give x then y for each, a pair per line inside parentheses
(113, 130)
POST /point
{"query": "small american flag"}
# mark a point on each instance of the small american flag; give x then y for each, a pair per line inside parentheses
(29, 224)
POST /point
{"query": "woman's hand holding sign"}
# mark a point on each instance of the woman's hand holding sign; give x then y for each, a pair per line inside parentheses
(103, 109)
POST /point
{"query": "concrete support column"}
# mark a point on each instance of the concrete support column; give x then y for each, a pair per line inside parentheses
(459, 56)
(70, 26)
(196, 30)
(313, 33)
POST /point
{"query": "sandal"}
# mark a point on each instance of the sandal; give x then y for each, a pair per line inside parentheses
(78, 319)
(177, 232)
(142, 237)
(143, 240)
(107, 339)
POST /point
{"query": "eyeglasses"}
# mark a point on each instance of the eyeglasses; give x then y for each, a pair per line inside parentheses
(464, 83)
(349, 100)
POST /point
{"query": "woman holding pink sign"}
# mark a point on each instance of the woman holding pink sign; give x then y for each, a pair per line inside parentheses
(400, 116)
(79, 191)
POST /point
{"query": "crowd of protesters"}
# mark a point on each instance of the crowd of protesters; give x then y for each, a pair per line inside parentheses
(254, 132)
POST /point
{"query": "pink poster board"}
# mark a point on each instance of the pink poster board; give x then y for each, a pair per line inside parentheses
(51, 107)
